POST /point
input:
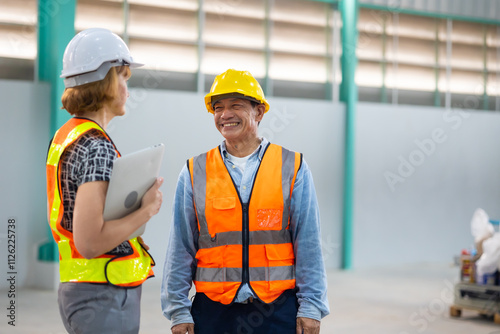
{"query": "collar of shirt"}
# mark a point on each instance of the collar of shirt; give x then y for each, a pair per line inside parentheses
(263, 144)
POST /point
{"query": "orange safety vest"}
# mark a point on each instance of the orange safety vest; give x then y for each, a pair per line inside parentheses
(244, 242)
(126, 271)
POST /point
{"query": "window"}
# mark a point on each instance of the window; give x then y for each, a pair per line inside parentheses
(423, 60)
(188, 42)
(18, 39)
(300, 49)
(99, 13)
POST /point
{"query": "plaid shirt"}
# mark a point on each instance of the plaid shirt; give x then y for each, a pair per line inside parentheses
(90, 158)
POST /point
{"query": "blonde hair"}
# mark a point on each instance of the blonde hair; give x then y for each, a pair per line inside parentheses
(94, 95)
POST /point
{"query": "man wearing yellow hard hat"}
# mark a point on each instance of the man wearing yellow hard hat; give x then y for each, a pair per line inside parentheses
(245, 229)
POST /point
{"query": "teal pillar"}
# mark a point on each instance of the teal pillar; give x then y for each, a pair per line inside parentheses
(349, 94)
(56, 27)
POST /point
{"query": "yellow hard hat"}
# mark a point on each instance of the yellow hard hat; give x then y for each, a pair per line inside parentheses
(233, 83)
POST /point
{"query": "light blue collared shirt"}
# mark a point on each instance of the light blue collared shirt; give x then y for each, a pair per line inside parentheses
(180, 265)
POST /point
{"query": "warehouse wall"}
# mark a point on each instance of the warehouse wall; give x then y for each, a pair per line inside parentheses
(420, 172)
(24, 119)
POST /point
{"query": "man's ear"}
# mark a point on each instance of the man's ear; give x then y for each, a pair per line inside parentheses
(260, 109)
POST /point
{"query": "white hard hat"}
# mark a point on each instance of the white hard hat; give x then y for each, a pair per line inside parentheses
(91, 53)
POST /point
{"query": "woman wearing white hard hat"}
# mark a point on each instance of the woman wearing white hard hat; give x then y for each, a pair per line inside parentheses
(101, 272)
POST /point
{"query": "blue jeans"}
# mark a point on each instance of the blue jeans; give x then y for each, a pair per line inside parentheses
(257, 317)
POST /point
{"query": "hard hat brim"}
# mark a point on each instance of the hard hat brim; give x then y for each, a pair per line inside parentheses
(97, 75)
(214, 99)
(211, 99)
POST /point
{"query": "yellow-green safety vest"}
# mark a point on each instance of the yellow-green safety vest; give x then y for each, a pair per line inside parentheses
(125, 271)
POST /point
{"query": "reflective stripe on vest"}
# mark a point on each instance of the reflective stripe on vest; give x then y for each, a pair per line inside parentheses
(220, 256)
(128, 271)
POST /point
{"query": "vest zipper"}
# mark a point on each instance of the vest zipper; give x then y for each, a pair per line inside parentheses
(245, 230)
(245, 244)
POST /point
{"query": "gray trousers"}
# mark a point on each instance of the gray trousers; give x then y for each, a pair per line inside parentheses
(99, 308)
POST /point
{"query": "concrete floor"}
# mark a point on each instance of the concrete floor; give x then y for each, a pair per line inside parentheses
(398, 300)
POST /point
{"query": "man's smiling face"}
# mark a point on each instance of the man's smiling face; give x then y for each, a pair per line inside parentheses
(236, 119)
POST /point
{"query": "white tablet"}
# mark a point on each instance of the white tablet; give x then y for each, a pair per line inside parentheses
(133, 174)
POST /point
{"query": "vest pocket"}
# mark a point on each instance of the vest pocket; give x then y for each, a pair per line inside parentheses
(224, 203)
(210, 257)
(218, 213)
(279, 255)
(209, 275)
(269, 219)
(281, 270)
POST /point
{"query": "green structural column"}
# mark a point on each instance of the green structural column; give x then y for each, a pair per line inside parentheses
(56, 27)
(348, 93)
